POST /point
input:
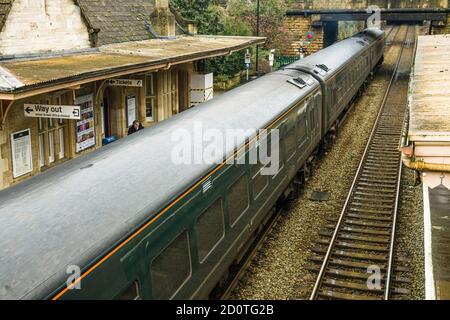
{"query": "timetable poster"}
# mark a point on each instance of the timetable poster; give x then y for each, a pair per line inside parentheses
(85, 126)
(21, 151)
(131, 109)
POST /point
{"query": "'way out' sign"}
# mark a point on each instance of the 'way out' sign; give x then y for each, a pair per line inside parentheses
(125, 83)
(52, 111)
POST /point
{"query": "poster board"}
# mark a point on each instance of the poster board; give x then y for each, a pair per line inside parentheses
(85, 128)
(131, 110)
(21, 153)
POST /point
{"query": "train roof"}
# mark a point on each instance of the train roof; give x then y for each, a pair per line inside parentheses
(72, 213)
(326, 63)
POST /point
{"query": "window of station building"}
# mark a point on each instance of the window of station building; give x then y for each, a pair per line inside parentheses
(132, 292)
(52, 133)
(210, 229)
(150, 96)
(172, 267)
(238, 199)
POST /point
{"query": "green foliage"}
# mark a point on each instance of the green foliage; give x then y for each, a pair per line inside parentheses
(237, 18)
(207, 15)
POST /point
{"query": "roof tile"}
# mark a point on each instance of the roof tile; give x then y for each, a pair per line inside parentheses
(117, 20)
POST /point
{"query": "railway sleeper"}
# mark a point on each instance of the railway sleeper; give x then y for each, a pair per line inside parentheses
(361, 230)
(378, 171)
(382, 143)
(341, 263)
(364, 276)
(351, 236)
(354, 265)
(358, 246)
(380, 159)
(360, 286)
(368, 224)
(383, 173)
(383, 150)
(370, 211)
(369, 189)
(377, 164)
(370, 205)
(349, 254)
(377, 179)
(381, 155)
(369, 217)
(373, 200)
(378, 182)
(345, 296)
(385, 146)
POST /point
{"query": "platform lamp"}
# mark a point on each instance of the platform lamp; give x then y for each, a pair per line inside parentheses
(257, 34)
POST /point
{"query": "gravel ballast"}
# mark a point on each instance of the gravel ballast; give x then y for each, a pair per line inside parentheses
(279, 269)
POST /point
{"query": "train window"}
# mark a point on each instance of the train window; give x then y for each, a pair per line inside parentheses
(130, 293)
(238, 199)
(210, 229)
(171, 268)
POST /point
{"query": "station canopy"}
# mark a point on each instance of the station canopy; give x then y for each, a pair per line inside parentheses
(21, 78)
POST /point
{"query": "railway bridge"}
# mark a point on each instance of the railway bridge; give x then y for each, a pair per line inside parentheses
(334, 20)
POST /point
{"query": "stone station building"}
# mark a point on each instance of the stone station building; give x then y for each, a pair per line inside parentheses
(79, 53)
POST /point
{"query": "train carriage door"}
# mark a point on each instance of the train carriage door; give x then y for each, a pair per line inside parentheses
(315, 106)
(303, 138)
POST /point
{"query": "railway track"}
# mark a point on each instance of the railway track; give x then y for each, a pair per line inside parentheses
(354, 257)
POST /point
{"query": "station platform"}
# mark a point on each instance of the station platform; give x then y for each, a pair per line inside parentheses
(426, 149)
(437, 242)
(429, 112)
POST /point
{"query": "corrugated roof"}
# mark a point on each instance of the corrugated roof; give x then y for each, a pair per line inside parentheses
(121, 57)
(5, 7)
(430, 90)
(118, 21)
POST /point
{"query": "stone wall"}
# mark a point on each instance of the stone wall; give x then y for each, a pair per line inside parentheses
(298, 26)
(352, 4)
(42, 25)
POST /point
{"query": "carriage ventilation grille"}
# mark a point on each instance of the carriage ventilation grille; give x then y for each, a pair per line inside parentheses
(207, 185)
(323, 67)
(300, 82)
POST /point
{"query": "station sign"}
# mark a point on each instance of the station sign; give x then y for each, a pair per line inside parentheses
(271, 57)
(309, 37)
(248, 58)
(125, 83)
(52, 111)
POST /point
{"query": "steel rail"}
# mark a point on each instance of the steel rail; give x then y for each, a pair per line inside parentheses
(356, 178)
